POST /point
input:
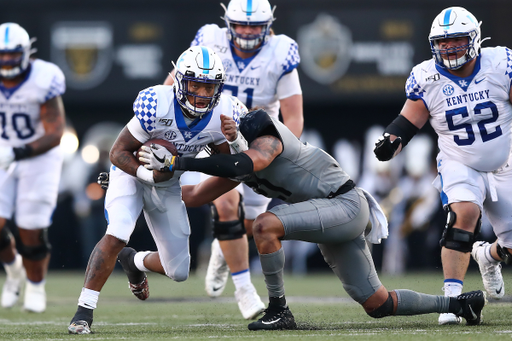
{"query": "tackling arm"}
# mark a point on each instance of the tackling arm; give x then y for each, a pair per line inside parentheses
(206, 191)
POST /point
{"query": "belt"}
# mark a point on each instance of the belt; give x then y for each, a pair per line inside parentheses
(347, 186)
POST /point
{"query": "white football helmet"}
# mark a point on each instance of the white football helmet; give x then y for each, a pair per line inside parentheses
(198, 64)
(455, 22)
(14, 38)
(248, 12)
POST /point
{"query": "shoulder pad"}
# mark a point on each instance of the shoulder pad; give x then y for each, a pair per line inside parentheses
(257, 123)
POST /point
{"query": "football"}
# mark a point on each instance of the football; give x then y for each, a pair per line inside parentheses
(164, 143)
(160, 176)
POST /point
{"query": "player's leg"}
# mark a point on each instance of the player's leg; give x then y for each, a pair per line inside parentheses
(13, 266)
(319, 221)
(37, 191)
(123, 205)
(489, 256)
(463, 192)
(230, 251)
(9, 257)
(229, 235)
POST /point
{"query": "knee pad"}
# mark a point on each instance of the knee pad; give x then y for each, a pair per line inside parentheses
(5, 238)
(37, 252)
(504, 254)
(457, 239)
(228, 230)
(384, 310)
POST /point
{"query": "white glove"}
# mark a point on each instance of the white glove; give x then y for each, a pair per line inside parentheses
(6, 157)
(156, 157)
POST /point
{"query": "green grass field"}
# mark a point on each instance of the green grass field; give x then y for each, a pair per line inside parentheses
(182, 311)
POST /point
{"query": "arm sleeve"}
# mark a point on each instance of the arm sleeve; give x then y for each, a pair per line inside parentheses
(289, 85)
(223, 165)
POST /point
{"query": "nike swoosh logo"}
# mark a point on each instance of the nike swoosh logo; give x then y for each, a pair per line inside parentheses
(201, 137)
(473, 313)
(255, 67)
(161, 160)
(478, 81)
(499, 291)
(271, 322)
(216, 288)
(236, 163)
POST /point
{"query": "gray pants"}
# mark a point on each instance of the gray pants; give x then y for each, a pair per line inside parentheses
(337, 225)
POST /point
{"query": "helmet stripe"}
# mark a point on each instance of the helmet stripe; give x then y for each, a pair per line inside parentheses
(249, 7)
(6, 38)
(206, 60)
(447, 17)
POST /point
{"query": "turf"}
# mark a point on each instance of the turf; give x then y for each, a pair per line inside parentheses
(182, 311)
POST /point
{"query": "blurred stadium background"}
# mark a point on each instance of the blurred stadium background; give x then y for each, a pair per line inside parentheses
(355, 59)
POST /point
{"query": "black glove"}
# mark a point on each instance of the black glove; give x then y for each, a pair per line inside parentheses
(384, 148)
(103, 180)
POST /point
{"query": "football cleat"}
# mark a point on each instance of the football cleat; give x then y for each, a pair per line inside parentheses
(217, 272)
(137, 280)
(79, 327)
(15, 277)
(491, 273)
(35, 297)
(472, 304)
(249, 302)
(449, 318)
(275, 318)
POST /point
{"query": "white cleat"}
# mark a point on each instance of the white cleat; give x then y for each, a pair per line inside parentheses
(491, 273)
(79, 327)
(217, 272)
(15, 277)
(449, 318)
(249, 302)
(35, 297)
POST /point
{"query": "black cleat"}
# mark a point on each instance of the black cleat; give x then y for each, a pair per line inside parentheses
(81, 322)
(137, 280)
(275, 318)
(471, 304)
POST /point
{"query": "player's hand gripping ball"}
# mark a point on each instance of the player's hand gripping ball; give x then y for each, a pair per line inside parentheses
(158, 155)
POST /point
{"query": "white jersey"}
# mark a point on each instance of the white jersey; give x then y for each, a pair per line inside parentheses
(158, 115)
(254, 80)
(472, 116)
(20, 107)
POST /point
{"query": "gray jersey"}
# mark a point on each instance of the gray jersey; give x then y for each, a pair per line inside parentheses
(301, 172)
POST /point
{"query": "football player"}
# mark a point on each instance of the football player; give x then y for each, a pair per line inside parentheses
(32, 122)
(261, 70)
(465, 92)
(324, 206)
(188, 115)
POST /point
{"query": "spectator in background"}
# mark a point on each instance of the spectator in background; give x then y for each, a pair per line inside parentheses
(267, 62)
(33, 121)
(465, 92)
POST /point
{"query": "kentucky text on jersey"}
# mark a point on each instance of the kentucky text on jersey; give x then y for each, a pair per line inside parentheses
(465, 98)
(242, 80)
(183, 147)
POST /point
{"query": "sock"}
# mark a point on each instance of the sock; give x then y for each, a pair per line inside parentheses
(277, 302)
(88, 298)
(241, 278)
(84, 314)
(488, 256)
(14, 268)
(415, 303)
(139, 260)
(272, 265)
(452, 287)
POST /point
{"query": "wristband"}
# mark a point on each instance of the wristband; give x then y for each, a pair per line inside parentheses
(22, 152)
(239, 144)
(145, 174)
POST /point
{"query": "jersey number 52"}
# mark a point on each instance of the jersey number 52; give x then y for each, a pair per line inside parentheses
(486, 136)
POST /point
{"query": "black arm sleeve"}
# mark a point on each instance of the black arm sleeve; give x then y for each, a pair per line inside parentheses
(402, 127)
(223, 165)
